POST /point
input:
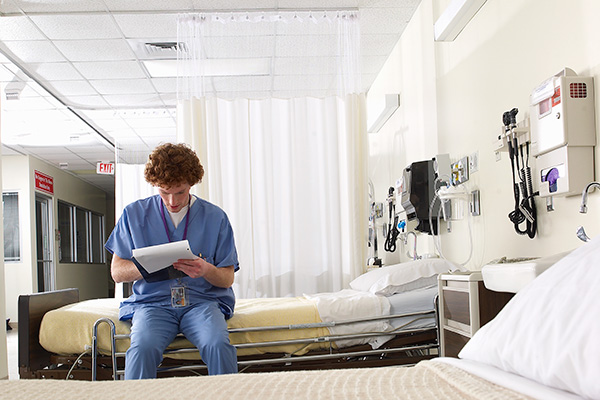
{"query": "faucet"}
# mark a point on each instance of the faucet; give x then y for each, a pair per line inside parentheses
(414, 256)
(584, 195)
(583, 209)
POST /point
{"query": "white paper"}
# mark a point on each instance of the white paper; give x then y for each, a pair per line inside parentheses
(155, 258)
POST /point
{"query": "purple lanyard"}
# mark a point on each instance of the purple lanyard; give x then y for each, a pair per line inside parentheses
(162, 214)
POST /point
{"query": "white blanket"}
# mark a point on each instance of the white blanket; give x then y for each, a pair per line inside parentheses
(429, 380)
(351, 304)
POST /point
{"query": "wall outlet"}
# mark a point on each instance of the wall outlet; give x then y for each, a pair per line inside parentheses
(474, 162)
(460, 171)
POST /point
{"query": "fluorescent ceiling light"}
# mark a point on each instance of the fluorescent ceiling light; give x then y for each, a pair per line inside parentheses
(210, 67)
(392, 102)
(454, 18)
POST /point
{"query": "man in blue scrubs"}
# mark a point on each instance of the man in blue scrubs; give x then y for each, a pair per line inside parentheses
(193, 297)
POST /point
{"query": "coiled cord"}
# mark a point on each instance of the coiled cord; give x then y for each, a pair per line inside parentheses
(392, 237)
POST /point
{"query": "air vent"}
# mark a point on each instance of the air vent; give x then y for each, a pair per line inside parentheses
(164, 50)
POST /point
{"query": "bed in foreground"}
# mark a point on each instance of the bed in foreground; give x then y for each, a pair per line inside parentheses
(428, 380)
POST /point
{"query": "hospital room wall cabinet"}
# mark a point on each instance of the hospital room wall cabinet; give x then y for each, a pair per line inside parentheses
(465, 306)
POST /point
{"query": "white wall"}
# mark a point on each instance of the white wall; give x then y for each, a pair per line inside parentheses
(3, 344)
(21, 277)
(453, 97)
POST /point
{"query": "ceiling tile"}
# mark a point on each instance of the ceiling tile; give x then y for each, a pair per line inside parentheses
(110, 125)
(19, 28)
(55, 71)
(95, 49)
(304, 65)
(148, 25)
(73, 88)
(80, 26)
(165, 85)
(110, 70)
(85, 101)
(383, 20)
(38, 6)
(98, 151)
(123, 86)
(34, 51)
(9, 7)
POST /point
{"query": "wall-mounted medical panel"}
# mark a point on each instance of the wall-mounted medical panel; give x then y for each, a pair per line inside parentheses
(562, 113)
(563, 133)
(565, 171)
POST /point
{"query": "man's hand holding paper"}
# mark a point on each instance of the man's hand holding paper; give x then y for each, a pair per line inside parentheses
(155, 258)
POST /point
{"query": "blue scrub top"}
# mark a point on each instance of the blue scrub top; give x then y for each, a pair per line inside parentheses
(209, 233)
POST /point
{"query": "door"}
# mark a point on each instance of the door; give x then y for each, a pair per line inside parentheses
(45, 265)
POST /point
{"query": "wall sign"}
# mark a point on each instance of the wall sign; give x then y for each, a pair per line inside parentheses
(105, 168)
(44, 182)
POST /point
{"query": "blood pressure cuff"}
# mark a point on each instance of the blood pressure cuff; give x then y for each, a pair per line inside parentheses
(162, 275)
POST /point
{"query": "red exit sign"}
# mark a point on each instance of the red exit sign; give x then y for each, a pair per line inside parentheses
(44, 182)
(105, 168)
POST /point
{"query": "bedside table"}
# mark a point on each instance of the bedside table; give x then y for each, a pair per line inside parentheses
(465, 306)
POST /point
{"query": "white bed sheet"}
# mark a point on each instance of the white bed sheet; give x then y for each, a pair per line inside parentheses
(410, 302)
(349, 304)
(509, 380)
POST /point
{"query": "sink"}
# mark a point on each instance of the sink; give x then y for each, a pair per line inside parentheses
(513, 276)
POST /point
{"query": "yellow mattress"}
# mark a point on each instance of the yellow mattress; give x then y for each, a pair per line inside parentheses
(68, 330)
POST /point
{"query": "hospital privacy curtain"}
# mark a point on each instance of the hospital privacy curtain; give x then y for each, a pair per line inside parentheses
(288, 167)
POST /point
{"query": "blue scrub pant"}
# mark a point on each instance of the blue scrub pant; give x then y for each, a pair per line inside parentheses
(154, 328)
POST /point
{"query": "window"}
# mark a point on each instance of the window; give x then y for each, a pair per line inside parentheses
(65, 222)
(12, 242)
(81, 235)
(97, 237)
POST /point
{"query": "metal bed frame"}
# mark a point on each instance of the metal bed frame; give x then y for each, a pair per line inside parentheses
(422, 350)
(406, 347)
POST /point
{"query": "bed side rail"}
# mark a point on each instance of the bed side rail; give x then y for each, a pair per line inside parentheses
(329, 339)
(31, 310)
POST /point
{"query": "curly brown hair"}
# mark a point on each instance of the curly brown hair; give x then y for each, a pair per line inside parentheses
(171, 165)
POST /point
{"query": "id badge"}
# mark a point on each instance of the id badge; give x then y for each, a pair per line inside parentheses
(179, 296)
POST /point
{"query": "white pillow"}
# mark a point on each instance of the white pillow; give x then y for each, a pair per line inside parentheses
(549, 331)
(398, 278)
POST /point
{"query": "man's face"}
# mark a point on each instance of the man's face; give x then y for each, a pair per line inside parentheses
(175, 197)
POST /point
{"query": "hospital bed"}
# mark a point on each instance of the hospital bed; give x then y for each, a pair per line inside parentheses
(542, 345)
(361, 327)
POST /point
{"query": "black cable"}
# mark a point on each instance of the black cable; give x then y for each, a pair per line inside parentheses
(392, 237)
(531, 225)
(516, 216)
(525, 209)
